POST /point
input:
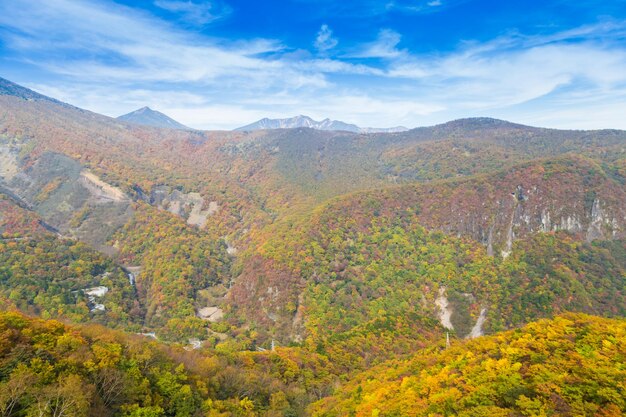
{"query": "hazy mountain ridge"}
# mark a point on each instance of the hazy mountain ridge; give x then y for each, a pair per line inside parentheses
(305, 121)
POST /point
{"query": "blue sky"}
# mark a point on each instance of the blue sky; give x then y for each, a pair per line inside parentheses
(224, 63)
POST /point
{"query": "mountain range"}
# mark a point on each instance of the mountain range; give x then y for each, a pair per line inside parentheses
(290, 271)
(305, 121)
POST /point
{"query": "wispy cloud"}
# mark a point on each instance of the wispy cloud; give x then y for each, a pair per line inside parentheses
(422, 6)
(197, 13)
(89, 40)
(515, 69)
(325, 40)
(369, 8)
(385, 46)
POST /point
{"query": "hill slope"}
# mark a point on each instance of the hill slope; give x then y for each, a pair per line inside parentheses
(572, 365)
(357, 249)
(56, 370)
(486, 244)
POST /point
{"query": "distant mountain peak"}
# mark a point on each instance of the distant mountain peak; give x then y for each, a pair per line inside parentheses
(306, 121)
(145, 109)
(147, 117)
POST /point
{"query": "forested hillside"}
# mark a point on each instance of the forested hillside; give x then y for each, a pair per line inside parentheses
(49, 368)
(421, 239)
(572, 365)
(52, 277)
(58, 370)
(372, 267)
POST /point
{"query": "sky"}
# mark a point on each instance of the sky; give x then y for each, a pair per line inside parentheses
(221, 64)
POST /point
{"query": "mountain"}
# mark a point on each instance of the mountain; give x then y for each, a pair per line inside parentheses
(231, 195)
(347, 250)
(305, 121)
(417, 245)
(147, 117)
(299, 121)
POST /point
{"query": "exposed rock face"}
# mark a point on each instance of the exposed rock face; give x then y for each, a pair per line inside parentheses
(77, 203)
(477, 330)
(445, 313)
(8, 162)
(190, 206)
(101, 189)
(601, 223)
(571, 193)
(211, 313)
(449, 311)
(499, 209)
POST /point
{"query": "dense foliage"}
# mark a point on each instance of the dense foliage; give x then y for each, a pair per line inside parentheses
(49, 369)
(16, 222)
(572, 365)
(365, 268)
(177, 261)
(50, 277)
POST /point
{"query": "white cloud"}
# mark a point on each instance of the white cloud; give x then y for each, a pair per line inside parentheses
(416, 7)
(511, 71)
(197, 13)
(385, 46)
(324, 40)
(90, 41)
